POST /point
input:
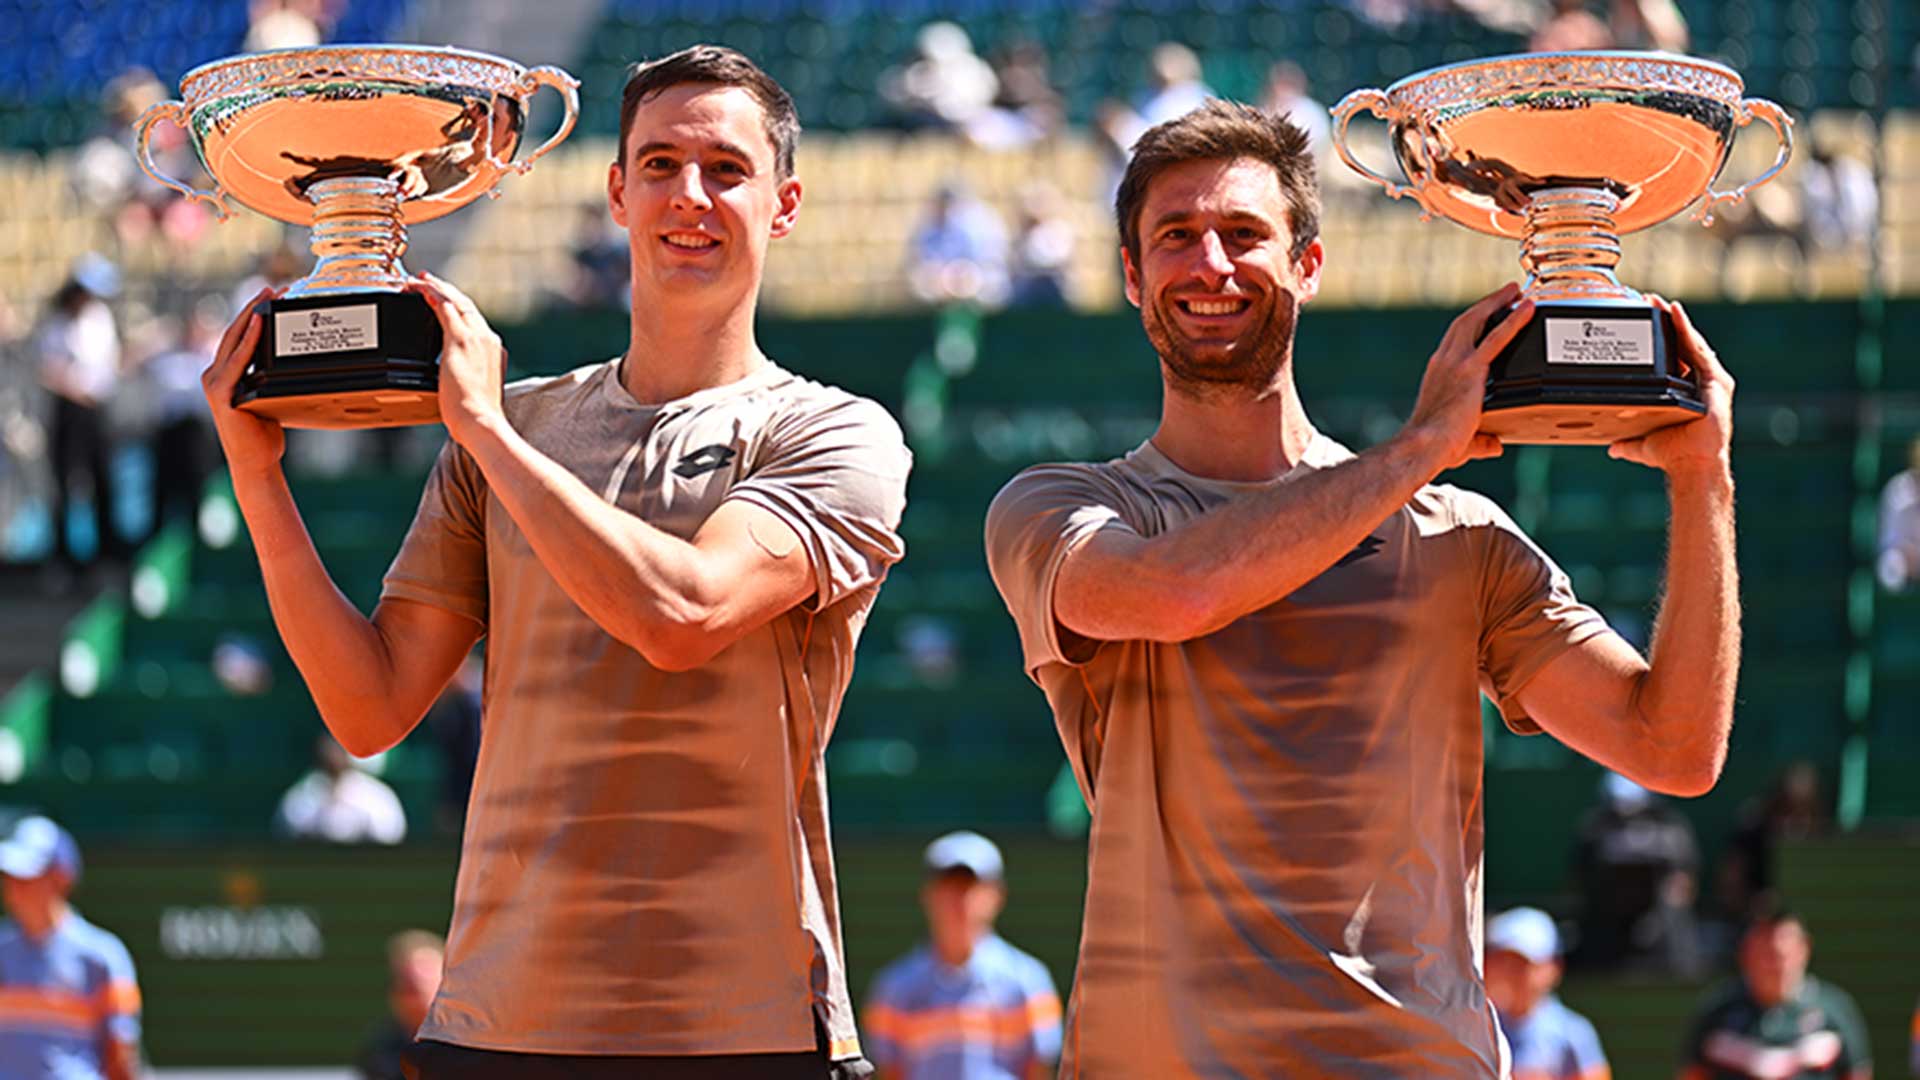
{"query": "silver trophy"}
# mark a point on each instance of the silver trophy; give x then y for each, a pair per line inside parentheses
(357, 141)
(1565, 152)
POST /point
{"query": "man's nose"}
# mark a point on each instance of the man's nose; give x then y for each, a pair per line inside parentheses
(1213, 264)
(689, 190)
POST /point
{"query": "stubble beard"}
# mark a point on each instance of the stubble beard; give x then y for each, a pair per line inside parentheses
(1246, 373)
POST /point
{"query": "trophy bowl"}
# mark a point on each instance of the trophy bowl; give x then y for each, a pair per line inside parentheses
(1565, 152)
(357, 141)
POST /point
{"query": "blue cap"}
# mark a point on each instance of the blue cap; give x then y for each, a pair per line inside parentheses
(37, 846)
(965, 850)
(1527, 931)
(97, 274)
(1624, 793)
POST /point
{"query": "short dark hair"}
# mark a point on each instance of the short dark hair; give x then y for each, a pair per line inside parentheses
(1224, 131)
(1770, 911)
(719, 66)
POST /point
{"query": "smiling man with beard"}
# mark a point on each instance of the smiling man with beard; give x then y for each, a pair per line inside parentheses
(1265, 654)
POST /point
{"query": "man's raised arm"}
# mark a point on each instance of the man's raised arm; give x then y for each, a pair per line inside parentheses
(1665, 723)
(1197, 578)
(369, 700)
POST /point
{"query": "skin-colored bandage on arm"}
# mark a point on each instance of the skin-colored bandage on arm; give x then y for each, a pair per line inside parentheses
(784, 544)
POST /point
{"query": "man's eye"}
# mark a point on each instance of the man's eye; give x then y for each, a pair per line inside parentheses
(1176, 234)
(657, 163)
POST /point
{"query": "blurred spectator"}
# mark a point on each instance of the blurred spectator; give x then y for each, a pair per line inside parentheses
(79, 364)
(1791, 808)
(958, 252)
(1569, 27)
(1042, 249)
(107, 179)
(1549, 1040)
(69, 1005)
(931, 647)
(182, 441)
(1776, 1021)
(1638, 868)
(241, 666)
(1027, 107)
(1648, 24)
(1177, 85)
(945, 85)
(23, 431)
(1502, 16)
(1898, 562)
(283, 24)
(602, 266)
(340, 804)
(967, 1005)
(1840, 203)
(279, 266)
(414, 960)
(1286, 95)
(1175, 89)
(454, 723)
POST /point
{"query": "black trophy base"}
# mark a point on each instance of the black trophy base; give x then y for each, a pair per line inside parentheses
(1589, 374)
(345, 360)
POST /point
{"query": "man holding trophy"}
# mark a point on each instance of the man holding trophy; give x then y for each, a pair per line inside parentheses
(670, 555)
(1265, 653)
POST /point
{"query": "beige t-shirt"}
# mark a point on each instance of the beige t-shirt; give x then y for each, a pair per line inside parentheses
(647, 867)
(1284, 866)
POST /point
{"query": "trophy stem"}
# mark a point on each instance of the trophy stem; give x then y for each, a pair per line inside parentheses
(358, 237)
(1572, 245)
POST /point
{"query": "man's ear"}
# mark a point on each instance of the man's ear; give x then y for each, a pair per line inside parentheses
(786, 212)
(617, 193)
(1131, 274)
(1308, 267)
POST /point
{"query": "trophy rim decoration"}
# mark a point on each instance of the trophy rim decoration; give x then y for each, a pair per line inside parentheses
(214, 94)
(1609, 61)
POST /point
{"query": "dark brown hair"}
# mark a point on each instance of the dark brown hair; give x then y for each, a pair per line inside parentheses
(719, 66)
(1224, 131)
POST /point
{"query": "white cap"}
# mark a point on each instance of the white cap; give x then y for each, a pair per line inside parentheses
(36, 846)
(965, 850)
(1527, 931)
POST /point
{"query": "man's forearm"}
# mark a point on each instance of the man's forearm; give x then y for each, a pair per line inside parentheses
(1686, 698)
(1254, 552)
(340, 653)
(627, 576)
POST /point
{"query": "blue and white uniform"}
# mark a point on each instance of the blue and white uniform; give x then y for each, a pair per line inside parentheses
(63, 999)
(1552, 1042)
(990, 1018)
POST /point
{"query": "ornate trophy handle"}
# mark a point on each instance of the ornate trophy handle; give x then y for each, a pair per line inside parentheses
(569, 89)
(143, 136)
(1377, 103)
(1782, 125)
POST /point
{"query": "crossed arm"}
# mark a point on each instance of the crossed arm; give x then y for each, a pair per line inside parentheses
(1663, 723)
(677, 602)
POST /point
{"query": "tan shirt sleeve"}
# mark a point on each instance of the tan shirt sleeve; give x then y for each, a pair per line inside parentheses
(1035, 522)
(1529, 615)
(443, 560)
(837, 475)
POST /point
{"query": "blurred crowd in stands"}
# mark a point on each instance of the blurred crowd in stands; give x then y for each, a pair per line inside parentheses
(102, 366)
